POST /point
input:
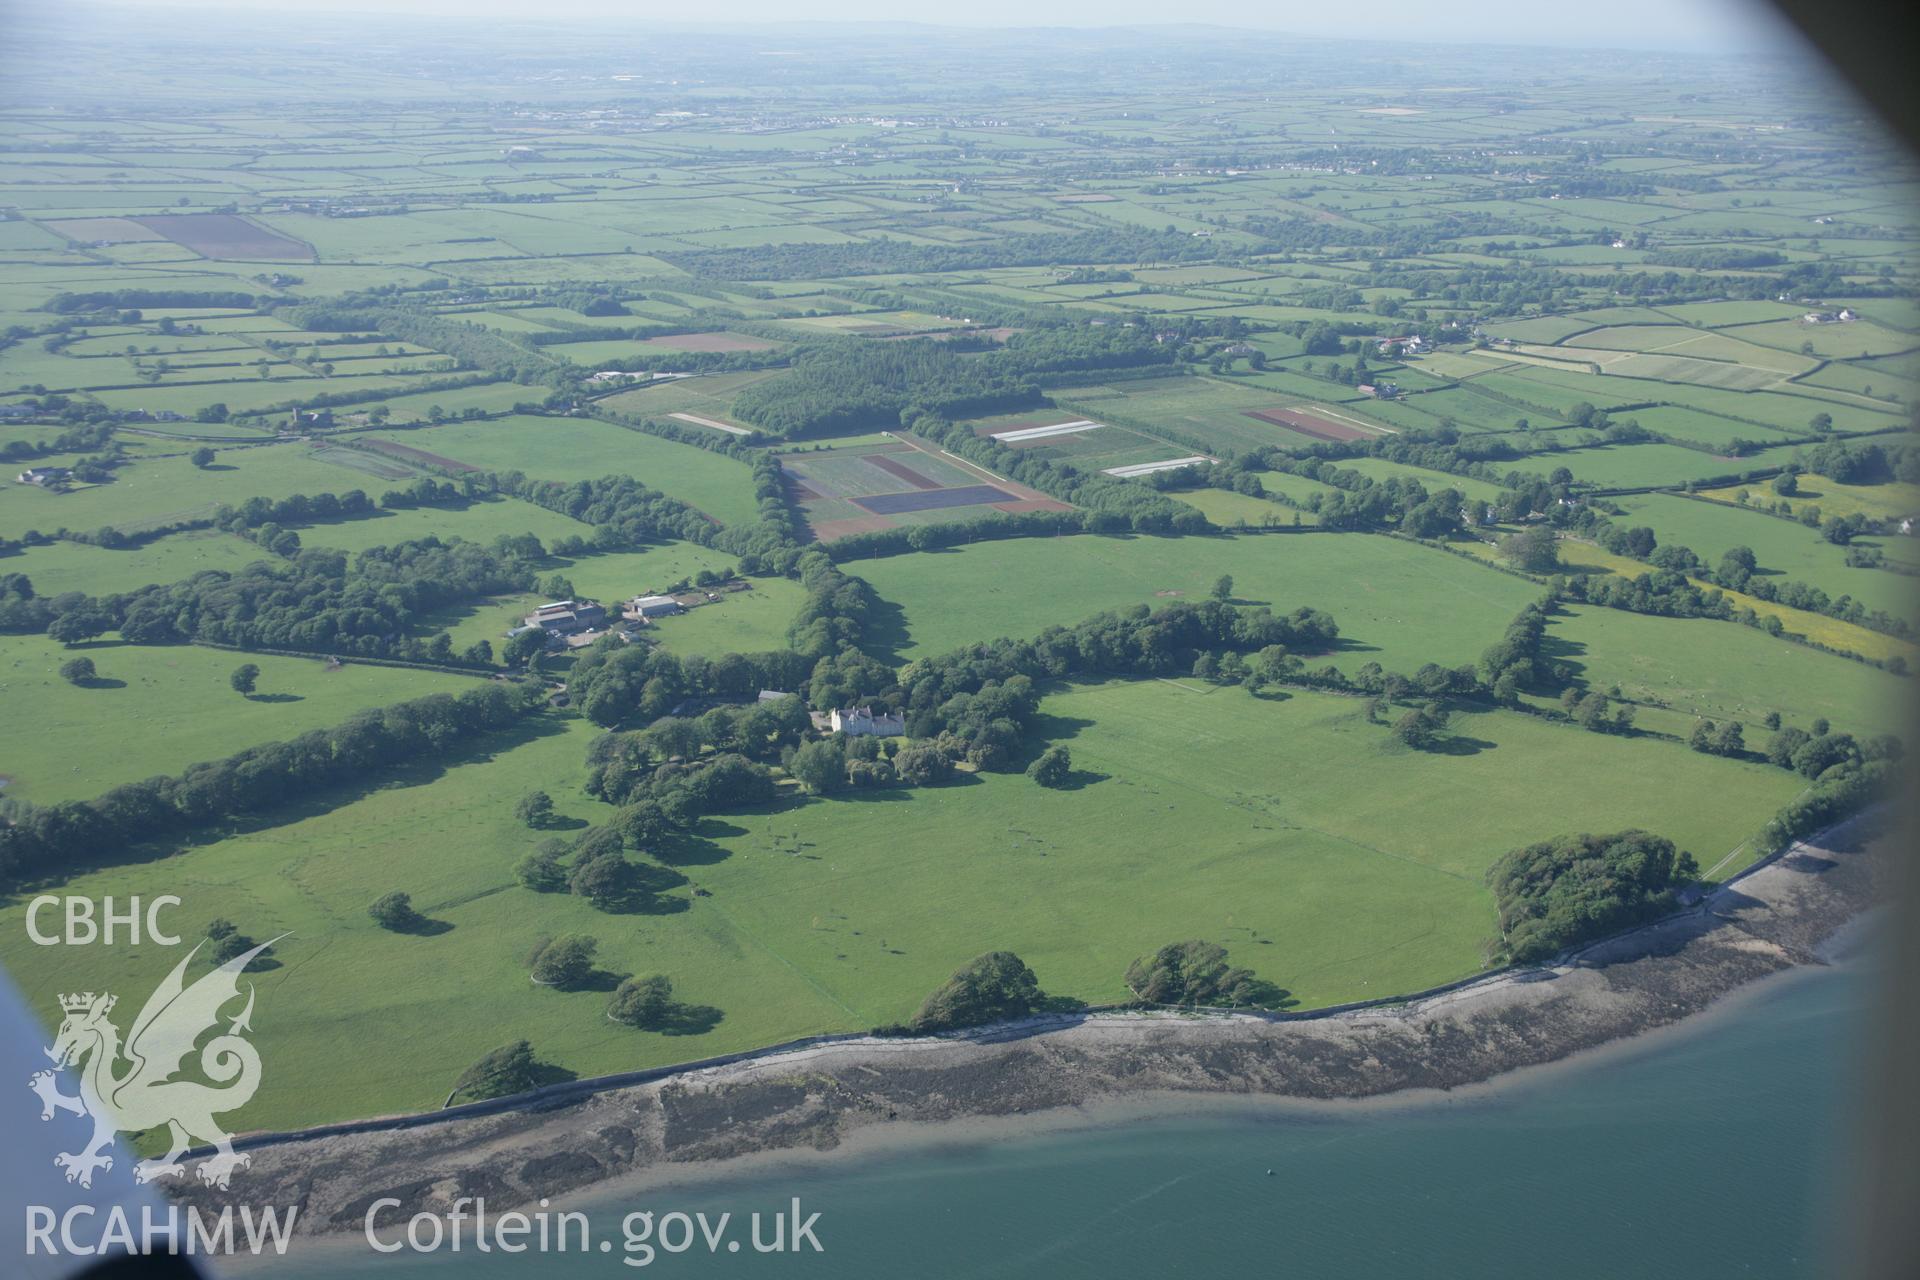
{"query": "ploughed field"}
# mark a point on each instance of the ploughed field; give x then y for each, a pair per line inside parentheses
(883, 485)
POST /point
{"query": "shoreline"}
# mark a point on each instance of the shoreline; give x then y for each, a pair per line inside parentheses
(861, 1097)
(875, 1145)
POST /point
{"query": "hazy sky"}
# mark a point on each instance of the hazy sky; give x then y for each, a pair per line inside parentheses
(1689, 24)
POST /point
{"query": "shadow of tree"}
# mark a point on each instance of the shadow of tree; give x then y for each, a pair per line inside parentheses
(683, 849)
(886, 795)
(645, 891)
(690, 1020)
(546, 1073)
(423, 927)
(317, 801)
(887, 634)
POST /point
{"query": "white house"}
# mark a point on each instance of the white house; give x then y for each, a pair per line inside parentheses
(653, 607)
(859, 721)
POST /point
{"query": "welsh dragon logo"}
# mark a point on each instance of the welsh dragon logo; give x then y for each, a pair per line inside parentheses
(134, 1086)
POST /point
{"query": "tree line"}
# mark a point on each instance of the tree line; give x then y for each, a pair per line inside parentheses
(317, 602)
(56, 840)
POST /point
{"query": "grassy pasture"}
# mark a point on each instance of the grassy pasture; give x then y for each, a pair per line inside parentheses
(1890, 501)
(1696, 427)
(1785, 548)
(710, 395)
(1716, 315)
(743, 622)
(1843, 637)
(1703, 667)
(1231, 510)
(1871, 380)
(1834, 341)
(1298, 488)
(480, 521)
(1397, 603)
(1678, 340)
(1334, 862)
(1382, 469)
(78, 566)
(586, 449)
(1633, 465)
(160, 708)
(161, 491)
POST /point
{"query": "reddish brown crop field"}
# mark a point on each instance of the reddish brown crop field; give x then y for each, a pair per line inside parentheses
(225, 235)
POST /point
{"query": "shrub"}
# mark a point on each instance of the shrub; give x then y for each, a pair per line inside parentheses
(1420, 728)
(394, 911)
(565, 962)
(535, 809)
(1196, 973)
(78, 671)
(1053, 768)
(509, 1069)
(643, 1002)
(227, 941)
(542, 870)
(989, 988)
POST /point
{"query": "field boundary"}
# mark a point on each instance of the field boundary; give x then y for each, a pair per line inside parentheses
(347, 660)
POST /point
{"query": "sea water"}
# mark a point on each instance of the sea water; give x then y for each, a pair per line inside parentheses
(1716, 1149)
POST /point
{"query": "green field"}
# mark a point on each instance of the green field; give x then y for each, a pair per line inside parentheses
(1231, 510)
(1161, 236)
(159, 709)
(1667, 465)
(1703, 667)
(1397, 603)
(1434, 481)
(583, 449)
(1332, 861)
(479, 521)
(1785, 549)
(161, 491)
(742, 622)
(1822, 629)
(1891, 501)
(79, 566)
